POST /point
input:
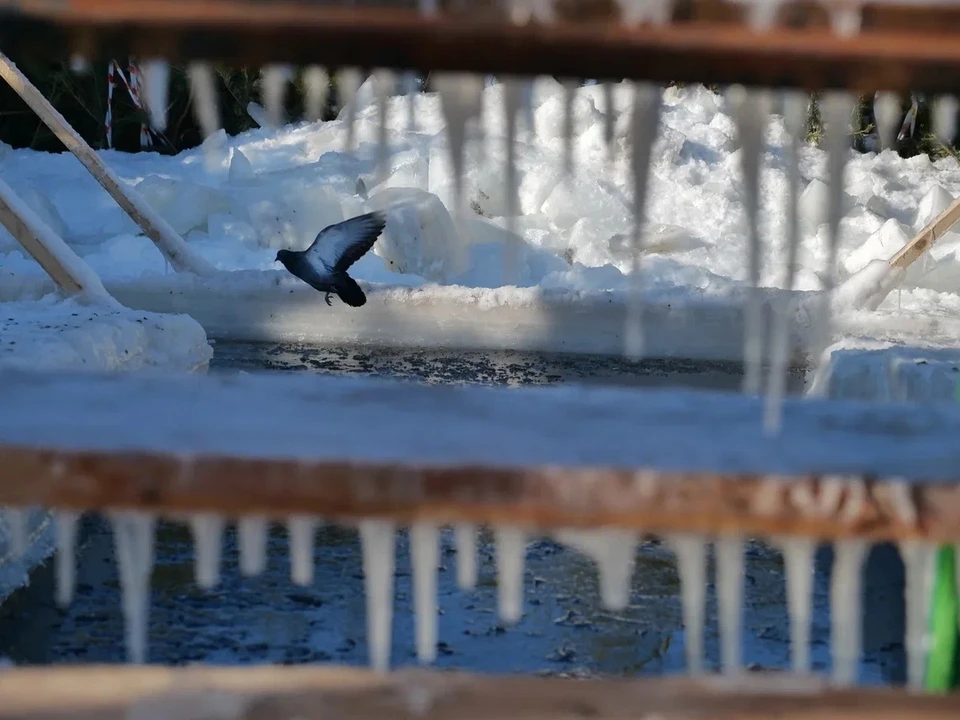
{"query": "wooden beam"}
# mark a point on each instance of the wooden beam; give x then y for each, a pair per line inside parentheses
(654, 461)
(167, 240)
(340, 693)
(925, 239)
(902, 47)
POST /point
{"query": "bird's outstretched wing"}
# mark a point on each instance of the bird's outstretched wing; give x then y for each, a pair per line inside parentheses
(339, 246)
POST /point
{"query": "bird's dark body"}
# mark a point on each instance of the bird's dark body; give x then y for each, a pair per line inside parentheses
(323, 265)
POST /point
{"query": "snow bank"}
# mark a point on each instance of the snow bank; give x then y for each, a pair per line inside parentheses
(278, 188)
(57, 335)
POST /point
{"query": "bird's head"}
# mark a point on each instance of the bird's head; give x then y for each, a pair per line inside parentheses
(283, 256)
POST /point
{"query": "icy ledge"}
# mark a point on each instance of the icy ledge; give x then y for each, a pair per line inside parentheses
(61, 335)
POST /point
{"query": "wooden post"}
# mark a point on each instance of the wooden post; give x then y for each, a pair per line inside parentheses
(167, 240)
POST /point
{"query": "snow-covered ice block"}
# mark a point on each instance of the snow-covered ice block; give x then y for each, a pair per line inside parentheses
(932, 204)
(881, 245)
(44, 208)
(583, 196)
(241, 169)
(814, 203)
(288, 208)
(185, 205)
(420, 237)
(549, 120)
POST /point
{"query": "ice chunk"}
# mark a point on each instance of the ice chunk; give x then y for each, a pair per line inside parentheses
(183, 204)
(613, 552)
(881, 245)
(252, 531)
(241, 170)
(66, 561)
(207, 531)
(931, 205)
(420, 237)
(133, 537)
(425, 556)
(301, 530)
(511, 551)
(378, 542)
(466, 539)
(814, 201)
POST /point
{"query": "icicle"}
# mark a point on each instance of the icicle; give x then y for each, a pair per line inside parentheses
(647, 99)
(511, 549)
(798, 561)
(386, 81)
(795, 120)
(410, 82)
(762, 14)
(316, 83)
(274, 79)
(523, 11)
(750, 108)
(570, 88)
(836, 109)
(512, 98)
(252, 531)
(465, 537)
(349, 81)
(845, 17)
(156, 85)
(634, 12)
(379, 559)
(207, 531)
(846, 609)
(79, 64)
(609, 120)
(691, 553)
(945, 118)
(203, 88)
(460, 98)
(301, 530)
(730, 574)
(919, 562)
(66, 560)
(425, 555)
(17, 521)
(886, 113)
(133, 538)
(613, 551)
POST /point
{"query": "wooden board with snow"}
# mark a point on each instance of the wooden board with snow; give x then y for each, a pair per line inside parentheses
(553, 456)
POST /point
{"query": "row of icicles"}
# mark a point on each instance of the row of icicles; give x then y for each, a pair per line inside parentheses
(461, 98)
(613, 551)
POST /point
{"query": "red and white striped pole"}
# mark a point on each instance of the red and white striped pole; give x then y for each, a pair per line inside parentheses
(133, 89)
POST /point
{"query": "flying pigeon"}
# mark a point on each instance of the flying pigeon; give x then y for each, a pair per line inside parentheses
(323, 265)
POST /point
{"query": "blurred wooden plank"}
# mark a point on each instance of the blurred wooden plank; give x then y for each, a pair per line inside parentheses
(657, 461)
(902, 47)
(337, 693)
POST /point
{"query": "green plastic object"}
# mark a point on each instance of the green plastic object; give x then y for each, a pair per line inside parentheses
(944, 635)
(944, 658)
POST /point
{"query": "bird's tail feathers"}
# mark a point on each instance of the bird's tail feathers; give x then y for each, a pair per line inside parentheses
(348, 290)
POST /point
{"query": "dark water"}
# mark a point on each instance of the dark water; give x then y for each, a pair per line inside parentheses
(564, 630)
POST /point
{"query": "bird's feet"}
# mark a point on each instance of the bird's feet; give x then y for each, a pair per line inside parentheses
(326, 297)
